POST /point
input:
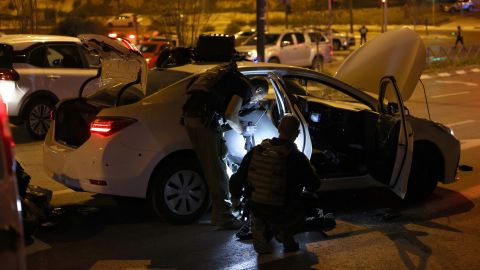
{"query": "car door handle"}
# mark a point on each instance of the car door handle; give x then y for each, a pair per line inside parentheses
(53, 77)
(8, 238)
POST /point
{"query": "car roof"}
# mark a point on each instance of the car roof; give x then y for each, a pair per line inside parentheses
(197, 68)
(22, 41)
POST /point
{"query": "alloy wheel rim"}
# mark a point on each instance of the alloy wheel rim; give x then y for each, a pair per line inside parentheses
(39, 119)
(185, 192)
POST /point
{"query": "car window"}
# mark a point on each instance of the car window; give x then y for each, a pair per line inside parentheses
(108, 95)
(316, 89)
(63, 56)
(300, 38)
(287, 39)
(270, 39)
(93, 59)
(316, 36)
(147, 48)
(37, 57)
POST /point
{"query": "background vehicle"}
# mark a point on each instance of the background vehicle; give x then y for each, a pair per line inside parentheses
(50, 68)
(341, 40)
(12, 251)
(352, 136)
(290, 48)
(151, 49)
(124, 20)
(457, 6)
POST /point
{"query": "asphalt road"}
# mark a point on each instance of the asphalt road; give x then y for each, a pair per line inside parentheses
(375, 231)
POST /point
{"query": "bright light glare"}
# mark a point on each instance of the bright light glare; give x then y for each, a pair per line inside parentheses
(112, 35)
(7, 90)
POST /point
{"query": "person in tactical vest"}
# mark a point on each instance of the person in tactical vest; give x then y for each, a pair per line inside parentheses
(214, 101)
(273, 176)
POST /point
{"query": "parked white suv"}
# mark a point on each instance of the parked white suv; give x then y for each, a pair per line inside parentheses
(295, 48)
(50, 68)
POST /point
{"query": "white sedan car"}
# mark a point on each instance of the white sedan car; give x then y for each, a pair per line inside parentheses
(127, 139)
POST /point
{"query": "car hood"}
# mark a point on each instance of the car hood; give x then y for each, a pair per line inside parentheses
(121, 62)
(399, 53)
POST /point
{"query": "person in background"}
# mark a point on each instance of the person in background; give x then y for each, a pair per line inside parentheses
(459, 36)
(363, 34)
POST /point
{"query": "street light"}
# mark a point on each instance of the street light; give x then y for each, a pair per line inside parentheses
(385, 8)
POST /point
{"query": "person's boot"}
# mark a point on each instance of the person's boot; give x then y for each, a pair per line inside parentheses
(245, 232)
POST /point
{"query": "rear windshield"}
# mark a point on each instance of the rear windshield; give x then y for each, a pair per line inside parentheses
(161, 78)
(108, 95)
(156, 81)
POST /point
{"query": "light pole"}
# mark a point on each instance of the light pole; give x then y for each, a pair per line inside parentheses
(385, 9)
(433, 12)
(260, 30)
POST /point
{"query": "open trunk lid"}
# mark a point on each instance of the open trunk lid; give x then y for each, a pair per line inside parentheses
(122, 62)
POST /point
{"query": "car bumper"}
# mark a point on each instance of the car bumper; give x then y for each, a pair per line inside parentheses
(102, 165)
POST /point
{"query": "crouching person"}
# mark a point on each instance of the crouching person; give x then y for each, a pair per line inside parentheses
(272, 176)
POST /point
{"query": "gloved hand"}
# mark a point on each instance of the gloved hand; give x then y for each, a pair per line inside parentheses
(236, 204)
(248, 130)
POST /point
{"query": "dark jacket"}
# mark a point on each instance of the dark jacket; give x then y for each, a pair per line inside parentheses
(299, 174)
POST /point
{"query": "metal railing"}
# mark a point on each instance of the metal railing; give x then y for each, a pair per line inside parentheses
(442, 56)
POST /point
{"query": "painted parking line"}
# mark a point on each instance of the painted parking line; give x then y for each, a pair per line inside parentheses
(460, 123)
(470, 143)
(449, 95)
(475, 69)
(425, 77)
(444, 74)
(458, 82)
(461, 72)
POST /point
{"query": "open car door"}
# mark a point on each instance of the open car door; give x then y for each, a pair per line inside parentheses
(394, 140)
(266, 126)
(285, 106)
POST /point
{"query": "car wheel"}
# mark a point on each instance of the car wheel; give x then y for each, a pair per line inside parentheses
(336, 45)
(110, 25)
(422, 181)
(451, 10)
(470, 8)
(317, 63)
(274, 60)
(178, 192)
(37, 117)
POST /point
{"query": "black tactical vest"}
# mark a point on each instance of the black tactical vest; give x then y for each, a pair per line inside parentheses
(267, 174)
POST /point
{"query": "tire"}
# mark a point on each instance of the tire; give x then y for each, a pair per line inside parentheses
(470, 8)
(422, 181)
(317, 63)
(178, 192)
(37, 117)
(274, 60)
(110, 25)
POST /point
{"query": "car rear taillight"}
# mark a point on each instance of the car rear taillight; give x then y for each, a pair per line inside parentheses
(6, 136)
(107, 126)
(7, 74)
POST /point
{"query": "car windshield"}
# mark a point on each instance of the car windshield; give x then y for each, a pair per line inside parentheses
(270, 39)
(147, 48)
(312, 88)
